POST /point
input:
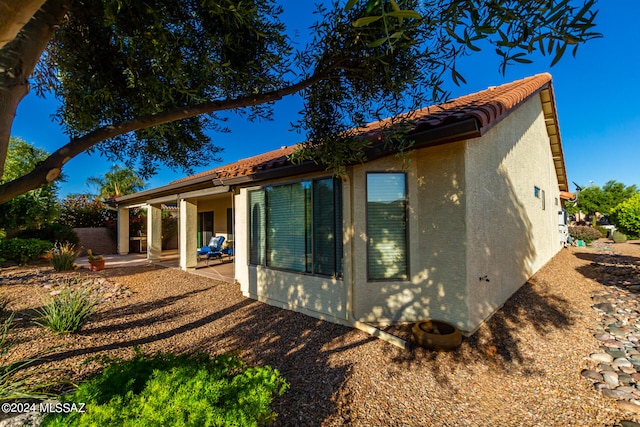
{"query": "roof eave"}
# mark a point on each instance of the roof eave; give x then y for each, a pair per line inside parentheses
(553, 130)
(166, 190)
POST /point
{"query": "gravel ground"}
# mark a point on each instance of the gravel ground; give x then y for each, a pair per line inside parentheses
(522, 368)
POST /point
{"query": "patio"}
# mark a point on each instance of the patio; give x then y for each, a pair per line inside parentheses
(214, 270)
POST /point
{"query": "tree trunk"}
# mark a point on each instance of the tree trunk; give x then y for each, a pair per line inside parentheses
(14, 14)
(18, 59)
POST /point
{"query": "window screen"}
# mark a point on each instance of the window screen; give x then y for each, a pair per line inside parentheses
(287, 226)
(386, 226)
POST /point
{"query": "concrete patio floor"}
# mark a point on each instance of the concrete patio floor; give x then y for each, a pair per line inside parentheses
(214, 270)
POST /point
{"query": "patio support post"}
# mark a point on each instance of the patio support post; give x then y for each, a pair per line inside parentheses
(154, 232)
(123, 231)
(188, 234)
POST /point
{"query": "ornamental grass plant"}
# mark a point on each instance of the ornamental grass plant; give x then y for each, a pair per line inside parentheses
(63, 256)
(68, 311)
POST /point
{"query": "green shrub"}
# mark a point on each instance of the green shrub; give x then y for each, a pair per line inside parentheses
(619, 237)
(167, 390)
(13, 384)
(583, 232)
(54, 232)
(626, 216)
(23, 250)
(63, 257)
(68, 311)
(3, 235)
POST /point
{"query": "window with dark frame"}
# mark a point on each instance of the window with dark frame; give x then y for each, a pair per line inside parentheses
(298, 227)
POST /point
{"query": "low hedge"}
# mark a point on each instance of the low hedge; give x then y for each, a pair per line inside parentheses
(23, 250)
(585, 233)
(53, 232)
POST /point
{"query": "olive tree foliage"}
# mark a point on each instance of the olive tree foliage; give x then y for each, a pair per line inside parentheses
(141, 82)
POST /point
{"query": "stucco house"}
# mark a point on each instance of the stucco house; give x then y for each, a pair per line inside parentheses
(450, 234)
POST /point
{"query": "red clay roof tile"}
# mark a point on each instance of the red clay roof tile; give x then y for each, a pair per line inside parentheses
(488, 107)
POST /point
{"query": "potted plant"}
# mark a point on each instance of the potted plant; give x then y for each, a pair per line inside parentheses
(96, 262)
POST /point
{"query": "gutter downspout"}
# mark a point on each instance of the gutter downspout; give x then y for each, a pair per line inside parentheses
(364, 327)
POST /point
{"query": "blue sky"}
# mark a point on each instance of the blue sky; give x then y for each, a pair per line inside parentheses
(596, 95)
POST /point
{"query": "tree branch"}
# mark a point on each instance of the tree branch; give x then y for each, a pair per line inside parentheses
(50, 168)
(14, 14)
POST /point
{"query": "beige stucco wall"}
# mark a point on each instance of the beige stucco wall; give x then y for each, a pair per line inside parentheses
(509, 234)
(436, 284)
(476, 233)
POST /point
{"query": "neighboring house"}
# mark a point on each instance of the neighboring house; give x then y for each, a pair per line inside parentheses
(449, 234)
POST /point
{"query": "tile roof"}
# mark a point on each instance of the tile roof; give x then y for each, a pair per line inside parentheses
(247, 166)
(487, 107)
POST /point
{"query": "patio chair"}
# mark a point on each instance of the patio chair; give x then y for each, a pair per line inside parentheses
(213, 250)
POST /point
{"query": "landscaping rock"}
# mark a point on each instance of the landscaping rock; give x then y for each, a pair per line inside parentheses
(594, 375)
(622, 362)
(618, 335)
(611, 378)
(601, 357)
(616, 394)
(629, 407)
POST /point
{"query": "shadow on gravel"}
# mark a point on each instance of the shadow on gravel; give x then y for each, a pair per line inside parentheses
(497, 343)
(112, 345)
(612, 269)
(300, 347)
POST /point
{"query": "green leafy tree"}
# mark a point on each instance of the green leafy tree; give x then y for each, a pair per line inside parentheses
(590, 200)
(119, 181)
(626, 216)
(572, 208)
(141, 81)
(36, 207)
(614, 193)
(603, 199)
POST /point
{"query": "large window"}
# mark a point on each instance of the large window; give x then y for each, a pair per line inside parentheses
(386, 226)
(298, 227)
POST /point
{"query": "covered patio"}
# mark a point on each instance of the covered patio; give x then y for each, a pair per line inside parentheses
(215, 269)
(201, 212)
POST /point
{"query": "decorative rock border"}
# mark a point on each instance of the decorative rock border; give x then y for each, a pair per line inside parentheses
(617, 374)
(103, 289)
